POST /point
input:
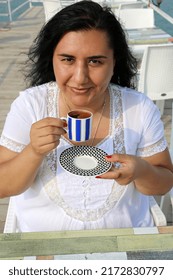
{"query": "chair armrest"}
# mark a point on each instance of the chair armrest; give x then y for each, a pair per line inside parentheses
(11, 220)
(158, 215)
(171, 196)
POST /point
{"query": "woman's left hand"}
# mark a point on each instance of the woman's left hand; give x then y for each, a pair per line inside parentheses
(130, 168)
(152, 175)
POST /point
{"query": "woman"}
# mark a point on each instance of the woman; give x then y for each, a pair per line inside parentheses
(81, 59)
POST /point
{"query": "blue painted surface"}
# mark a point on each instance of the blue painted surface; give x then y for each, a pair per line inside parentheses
(14, 4)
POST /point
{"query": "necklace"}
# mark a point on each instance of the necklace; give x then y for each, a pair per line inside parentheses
(99, 121)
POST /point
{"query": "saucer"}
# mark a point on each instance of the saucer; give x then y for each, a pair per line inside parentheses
(84, 161)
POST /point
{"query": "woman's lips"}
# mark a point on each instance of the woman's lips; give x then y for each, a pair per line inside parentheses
(80, 90)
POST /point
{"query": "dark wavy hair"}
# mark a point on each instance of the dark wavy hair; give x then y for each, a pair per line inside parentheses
(83, 15)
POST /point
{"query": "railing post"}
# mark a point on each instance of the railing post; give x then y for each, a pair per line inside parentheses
(30, 3)
(9, 10)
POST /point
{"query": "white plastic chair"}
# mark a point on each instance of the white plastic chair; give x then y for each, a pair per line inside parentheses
(11, 219)
(156, 73)
(136, 18)
(167, 200)
(51, 7)
(118, 2)
(131, 5)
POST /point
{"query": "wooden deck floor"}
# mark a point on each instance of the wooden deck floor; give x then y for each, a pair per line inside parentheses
(14, 40)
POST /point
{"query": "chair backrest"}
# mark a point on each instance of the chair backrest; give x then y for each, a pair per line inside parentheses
(137, 18)
(156, 72)
(51, 7)
(131, 5)
(65, 3)
(122, 1)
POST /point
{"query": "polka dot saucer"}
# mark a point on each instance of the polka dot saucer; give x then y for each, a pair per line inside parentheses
(84, 161)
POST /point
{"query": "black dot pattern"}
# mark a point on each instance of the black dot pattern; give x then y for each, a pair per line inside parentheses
(67, 157)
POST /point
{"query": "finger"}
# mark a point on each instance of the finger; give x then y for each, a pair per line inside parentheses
(49, 121)
(121, 158)
(51, 130)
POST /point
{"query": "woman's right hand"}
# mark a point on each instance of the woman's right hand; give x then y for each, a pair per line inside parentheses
(45, 135)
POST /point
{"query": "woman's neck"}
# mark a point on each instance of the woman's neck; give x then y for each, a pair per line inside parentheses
(95, 106)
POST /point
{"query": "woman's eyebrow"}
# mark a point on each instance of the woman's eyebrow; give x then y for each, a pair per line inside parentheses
(90, 57)
(65, 55)
(97, 56)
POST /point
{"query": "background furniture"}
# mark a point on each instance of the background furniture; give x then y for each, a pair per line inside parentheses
(51, 7)
(156, 73)
(136, 18)
(166, 203)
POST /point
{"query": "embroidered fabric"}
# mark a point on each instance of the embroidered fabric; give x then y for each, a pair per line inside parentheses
(52, 112)
(156, 148)
(11, 145)
(85, 215)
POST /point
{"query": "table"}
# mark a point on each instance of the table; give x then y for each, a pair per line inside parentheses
(138, 39)
(127, 243)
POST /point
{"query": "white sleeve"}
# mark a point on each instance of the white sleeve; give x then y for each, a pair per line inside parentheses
(29, 107)
(143, 128)
(152, 139)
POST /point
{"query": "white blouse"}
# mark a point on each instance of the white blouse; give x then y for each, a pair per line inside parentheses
(58, 200)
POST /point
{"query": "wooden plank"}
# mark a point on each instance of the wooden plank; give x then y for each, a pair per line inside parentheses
(146, 242)
(80, 242)
(166, 229)
(16, 247)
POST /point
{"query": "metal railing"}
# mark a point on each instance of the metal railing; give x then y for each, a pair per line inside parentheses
(11, 7)
(159, 11)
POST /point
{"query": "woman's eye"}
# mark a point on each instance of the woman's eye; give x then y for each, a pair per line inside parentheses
(68, 59)
(95, 62)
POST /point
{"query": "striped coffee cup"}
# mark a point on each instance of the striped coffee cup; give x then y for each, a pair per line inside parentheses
(79, 124)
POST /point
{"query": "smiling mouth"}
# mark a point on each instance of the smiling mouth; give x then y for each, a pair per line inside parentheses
(80, 90)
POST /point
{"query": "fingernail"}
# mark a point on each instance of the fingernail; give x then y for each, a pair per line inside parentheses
(98, 177)
(108, 156)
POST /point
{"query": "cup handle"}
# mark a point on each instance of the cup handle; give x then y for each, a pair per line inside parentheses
(64, 119)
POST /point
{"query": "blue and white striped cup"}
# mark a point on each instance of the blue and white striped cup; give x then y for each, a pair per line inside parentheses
(79, 123)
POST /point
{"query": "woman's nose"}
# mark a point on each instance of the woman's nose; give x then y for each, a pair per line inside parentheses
(80, 73)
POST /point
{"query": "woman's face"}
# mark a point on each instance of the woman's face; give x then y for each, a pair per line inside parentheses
(83, 64)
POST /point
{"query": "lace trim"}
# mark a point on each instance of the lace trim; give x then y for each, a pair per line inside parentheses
(86, 215)
(12, 145)
(117, 115)
(52, 112)
(160, 146)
